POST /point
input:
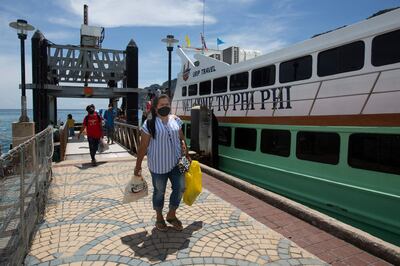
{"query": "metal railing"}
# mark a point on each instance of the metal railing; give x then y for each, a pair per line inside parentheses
(127, 135)
(25, 172)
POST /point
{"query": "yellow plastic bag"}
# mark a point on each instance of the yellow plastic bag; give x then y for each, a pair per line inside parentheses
(192, 183)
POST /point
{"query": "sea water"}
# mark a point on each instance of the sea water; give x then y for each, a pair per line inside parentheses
(8, 116)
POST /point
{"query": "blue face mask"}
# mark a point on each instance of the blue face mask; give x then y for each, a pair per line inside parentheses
(164, 111)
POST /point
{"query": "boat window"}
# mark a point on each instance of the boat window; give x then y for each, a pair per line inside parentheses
(188, 131)
(263, 76)
(276, 142)
(376, 152)
(246, 138)
(220, 85)
(184, 91)
(192, 89)
(224, 136)
(239, 81)
(296, 69)
(205, 87)
(385, 49)
(346, 58)
(183, 128)
(320, 147)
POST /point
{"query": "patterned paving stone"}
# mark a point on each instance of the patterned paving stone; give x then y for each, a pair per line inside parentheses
(87, 224)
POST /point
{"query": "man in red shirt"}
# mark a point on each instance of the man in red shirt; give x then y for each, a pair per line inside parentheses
(92, 123)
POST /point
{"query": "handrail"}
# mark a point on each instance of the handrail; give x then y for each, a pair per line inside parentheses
(24, 178)
(127, 135)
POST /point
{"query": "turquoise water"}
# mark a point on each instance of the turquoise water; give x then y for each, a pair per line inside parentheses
(8, 116)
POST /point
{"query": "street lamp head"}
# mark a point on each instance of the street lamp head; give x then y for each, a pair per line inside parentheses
(22, 27)
(170, 41)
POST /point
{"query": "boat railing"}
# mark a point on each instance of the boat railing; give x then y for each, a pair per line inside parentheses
(25, 172)
(127, 135)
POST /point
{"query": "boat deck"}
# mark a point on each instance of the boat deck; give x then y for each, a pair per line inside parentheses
(86, 223)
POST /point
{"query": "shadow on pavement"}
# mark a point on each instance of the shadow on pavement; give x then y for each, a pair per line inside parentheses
(85, 166)
(157, 245)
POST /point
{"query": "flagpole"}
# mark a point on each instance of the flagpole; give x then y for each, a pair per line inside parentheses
(204, 11)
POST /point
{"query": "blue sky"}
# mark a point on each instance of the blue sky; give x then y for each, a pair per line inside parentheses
(265, 25)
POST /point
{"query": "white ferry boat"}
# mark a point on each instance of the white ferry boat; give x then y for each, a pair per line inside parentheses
(318, 122)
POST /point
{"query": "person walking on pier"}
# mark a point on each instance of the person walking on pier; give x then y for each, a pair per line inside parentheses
(163, 141)
(109, 116)
(71, 125)
(92, 124)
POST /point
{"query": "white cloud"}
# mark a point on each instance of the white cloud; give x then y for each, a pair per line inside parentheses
(264, 31)
(267, 36)
(72, 21)
(110, 13)
(60, 35)
(255, 41)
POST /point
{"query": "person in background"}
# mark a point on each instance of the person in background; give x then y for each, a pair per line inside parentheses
(71, 125)
(92, 124)
(163, 142)
(146, 110)
(109, 116)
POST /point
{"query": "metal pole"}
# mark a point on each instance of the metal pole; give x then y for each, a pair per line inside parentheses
(169, 70)
(24, 116)
(22, 198)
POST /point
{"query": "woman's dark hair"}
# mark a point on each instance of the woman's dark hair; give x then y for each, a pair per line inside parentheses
(69, 116)
(151, 124)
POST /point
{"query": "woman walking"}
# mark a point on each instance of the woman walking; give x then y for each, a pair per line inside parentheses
(163, 141)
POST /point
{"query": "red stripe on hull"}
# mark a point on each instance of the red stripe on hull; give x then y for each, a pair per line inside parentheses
(392, 120)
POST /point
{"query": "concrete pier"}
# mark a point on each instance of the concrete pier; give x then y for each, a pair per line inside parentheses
(86, 223)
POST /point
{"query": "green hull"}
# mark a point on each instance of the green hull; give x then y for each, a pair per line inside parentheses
(366, 199)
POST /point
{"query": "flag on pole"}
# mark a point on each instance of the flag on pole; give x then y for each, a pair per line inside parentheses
(203, 42)
(219, 41)
(187, 41)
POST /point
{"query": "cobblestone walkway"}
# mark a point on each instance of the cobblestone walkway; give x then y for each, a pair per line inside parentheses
(86, 224)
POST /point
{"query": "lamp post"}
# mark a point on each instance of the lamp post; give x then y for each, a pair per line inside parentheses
(22, 28)
(170, 41)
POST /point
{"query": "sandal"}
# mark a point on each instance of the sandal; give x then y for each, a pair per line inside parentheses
(161, 226)
(175, 223)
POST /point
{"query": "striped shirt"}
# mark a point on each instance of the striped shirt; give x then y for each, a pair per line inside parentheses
(164, 150)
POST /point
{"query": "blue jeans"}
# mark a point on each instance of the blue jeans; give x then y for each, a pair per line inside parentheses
(160, 184)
